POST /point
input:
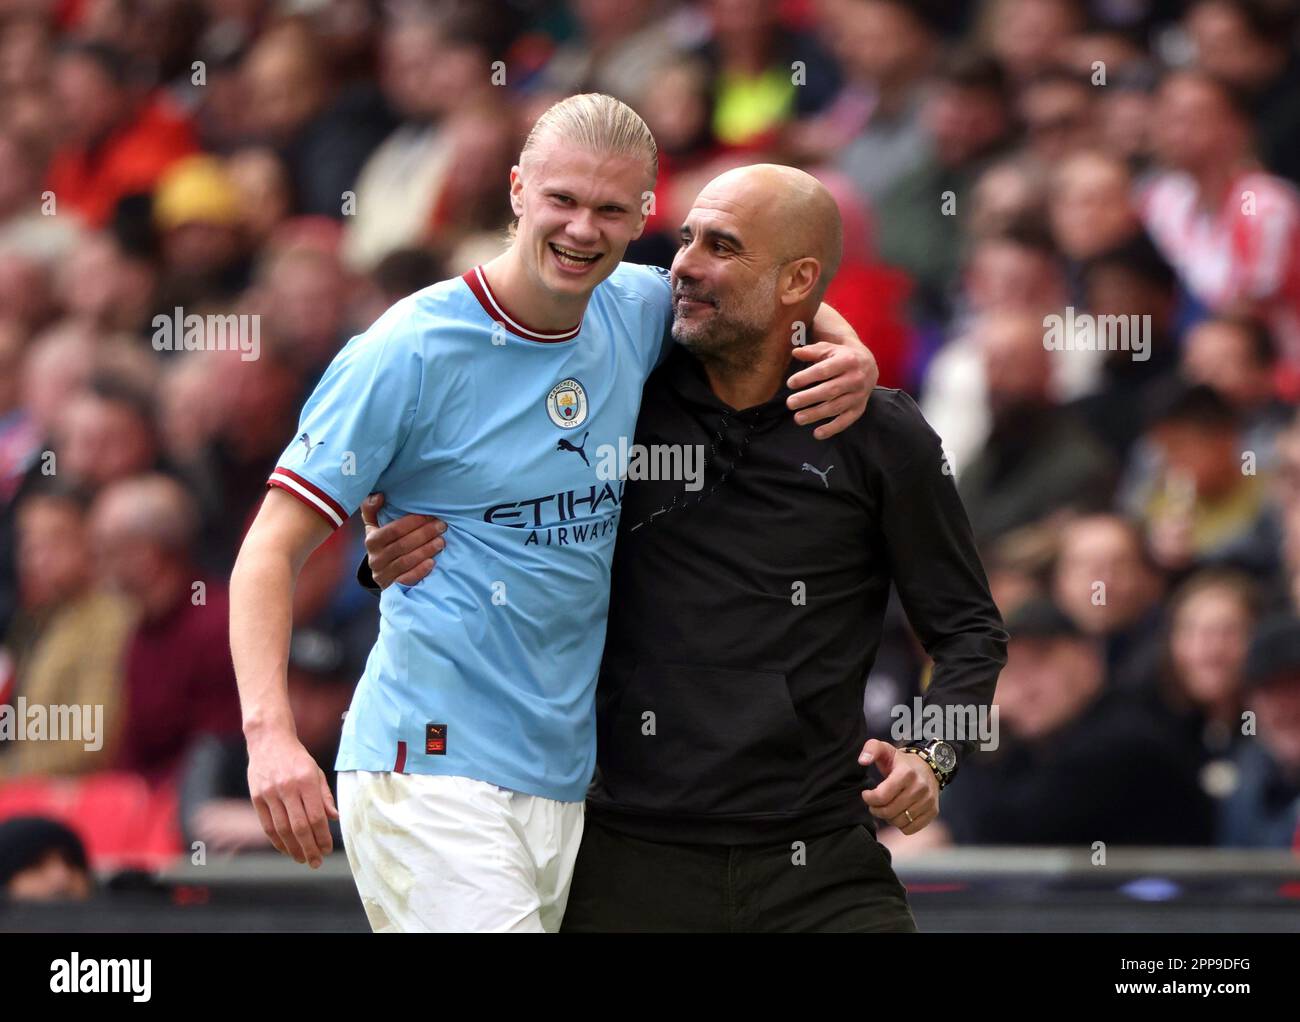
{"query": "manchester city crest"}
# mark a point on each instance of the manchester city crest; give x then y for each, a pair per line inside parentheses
(566, 404)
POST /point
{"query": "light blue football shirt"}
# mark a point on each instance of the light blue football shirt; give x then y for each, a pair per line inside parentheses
(487, 668)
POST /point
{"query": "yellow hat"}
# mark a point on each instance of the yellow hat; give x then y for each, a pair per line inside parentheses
(196, 189)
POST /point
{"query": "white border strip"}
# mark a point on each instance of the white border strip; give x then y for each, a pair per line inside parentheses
(308, 496)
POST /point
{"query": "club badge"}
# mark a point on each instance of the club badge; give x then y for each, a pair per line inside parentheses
(566, 404)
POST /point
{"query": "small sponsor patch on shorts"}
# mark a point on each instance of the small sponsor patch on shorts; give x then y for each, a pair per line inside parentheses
(435, 739)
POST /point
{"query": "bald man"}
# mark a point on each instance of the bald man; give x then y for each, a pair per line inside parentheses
(179, 684)
(747, 603)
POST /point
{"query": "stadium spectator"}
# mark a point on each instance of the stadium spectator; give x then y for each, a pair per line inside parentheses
(178, 683)
(1057, 110)
(1075, 756)
(188, 412)
(1090, 208)
(252, 411)
(1014, 272)
(1129, 280)
(42, 860)
(1282, 579)
(60, 363)
(1103, 52)
(323, 133)
(67, 639)
(196, 210)
(27, 43)
(1235, 356)
(1248, 44)
(766, 74)
(454, 143)
(1204, 498)
(25, 290)
(1231, 230)
(1030, 36)
(301, 291)
(24, 229)
(616, 50)
(400, 273)
(1212, 617)
(265, 200)
(1037, 458)
(679, 113)
(1264, 810)
(968, 121)
(1124, 112)
(116, 138)
(1009, 195)
(887, 48)
(105, 288)
(1106, 583)
(106, 434)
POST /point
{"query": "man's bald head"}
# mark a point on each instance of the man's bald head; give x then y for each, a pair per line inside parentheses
(759, 247)
(793, 214)
(148, 508)
(143, 530)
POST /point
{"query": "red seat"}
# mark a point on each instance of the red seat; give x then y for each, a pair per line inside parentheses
(122, 820)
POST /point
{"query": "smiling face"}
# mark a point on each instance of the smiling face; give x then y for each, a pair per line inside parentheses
(577, 210)
(724, 277)
(758, 247)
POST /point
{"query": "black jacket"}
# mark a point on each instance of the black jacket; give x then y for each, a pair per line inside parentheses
(745, 616)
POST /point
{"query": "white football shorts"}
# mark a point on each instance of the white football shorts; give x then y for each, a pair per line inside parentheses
(437, 854)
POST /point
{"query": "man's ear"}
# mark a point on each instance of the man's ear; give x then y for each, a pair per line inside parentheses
(517, 190)
(799, 280)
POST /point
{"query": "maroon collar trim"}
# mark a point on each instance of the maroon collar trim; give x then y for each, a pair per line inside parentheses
(478, 283)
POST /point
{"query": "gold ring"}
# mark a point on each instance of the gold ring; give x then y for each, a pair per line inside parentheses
(908, 814)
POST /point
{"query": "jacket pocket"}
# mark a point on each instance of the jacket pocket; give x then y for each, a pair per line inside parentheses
(693, 739)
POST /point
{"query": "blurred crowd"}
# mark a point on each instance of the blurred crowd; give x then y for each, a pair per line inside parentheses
(309, 162)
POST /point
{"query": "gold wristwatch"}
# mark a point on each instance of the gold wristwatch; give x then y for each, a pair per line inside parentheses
(939, 757)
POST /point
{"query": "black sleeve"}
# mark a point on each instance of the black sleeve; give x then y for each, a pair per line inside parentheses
(365, 579)
(934, 563)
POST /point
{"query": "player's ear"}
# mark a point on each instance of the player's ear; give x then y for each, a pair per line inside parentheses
(798, 280)
(517, 190)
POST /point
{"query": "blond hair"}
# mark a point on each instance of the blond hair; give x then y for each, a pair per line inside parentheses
(597, 123)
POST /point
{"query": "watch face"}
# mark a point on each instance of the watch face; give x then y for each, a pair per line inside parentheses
(945, 756)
